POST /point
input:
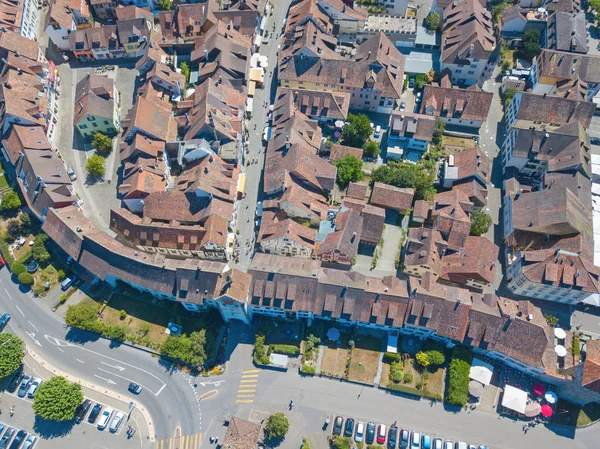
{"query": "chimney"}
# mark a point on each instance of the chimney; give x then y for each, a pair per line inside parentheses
(206, 55)
(205, 170)
(353, 237)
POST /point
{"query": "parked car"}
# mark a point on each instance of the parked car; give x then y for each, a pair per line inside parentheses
(595, 140)
(96, 409)
(425, 442)
(411, 82)
(116, 422)
(448, 444)
(35, 383)
(402, 106)
(404, 438)
(64, 285)
(337, 425)
(415, 440)
(104, 418)
(4, 319)
(392, 437)
(6, 437)
(359, 435)
(381, 434)
(29, 442)
(82, 410)
(419, 96)
(71, 173)
(15, 381)
(135, 388)
(460, 445)
(437, 443)
(370, 433)
(21, 434)
(2, 263)
(24, 385)
(377, 132)
(483, 446)
(1, 428)
(472, 446)
(349, 429)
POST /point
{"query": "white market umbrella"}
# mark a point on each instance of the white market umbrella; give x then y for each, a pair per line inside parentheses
(339, 123)
(533, 409)
(514, 399)
(476, 389)
(551, 397)
(560, 350)
(560, 333)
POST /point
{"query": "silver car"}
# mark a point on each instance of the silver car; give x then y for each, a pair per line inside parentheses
(33, 387)
(29, 442)
(360, 432)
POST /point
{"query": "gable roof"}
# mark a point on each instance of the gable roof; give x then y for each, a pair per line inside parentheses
(468, 104)
(390, 197)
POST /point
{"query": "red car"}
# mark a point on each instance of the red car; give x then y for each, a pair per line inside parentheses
(1, 261)
(381, 434)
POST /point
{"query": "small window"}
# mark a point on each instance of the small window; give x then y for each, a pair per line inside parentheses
(95, 125)
(83, 126)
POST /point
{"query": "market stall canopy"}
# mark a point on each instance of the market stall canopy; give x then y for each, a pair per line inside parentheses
(476, 389)
(339, 123)
(538, 388)
(481, 371)
(333, 334)
(551, 397)
(547, 410)
(514, 399)
(532, 409)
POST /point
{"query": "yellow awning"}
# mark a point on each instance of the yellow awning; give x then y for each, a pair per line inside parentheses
(256, 75)
(242, 183)
(251, 88)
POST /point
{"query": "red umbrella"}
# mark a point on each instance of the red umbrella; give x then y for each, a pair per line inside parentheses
(546, 410)
(538, 388)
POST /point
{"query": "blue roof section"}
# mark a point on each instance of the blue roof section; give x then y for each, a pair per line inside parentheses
(326, 227)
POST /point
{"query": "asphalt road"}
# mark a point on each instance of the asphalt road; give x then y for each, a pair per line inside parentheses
(167, 394)
(246, 207)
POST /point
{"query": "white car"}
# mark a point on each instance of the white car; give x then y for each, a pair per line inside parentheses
(360, 432)
(415, 441)
(116, 422)
(33, 387)
(104, 418)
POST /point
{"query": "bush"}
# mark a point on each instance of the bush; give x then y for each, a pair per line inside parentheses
(61, 275)
(340, 442)
(260, 351)
(457, 389)
(122, 314)
(115, 332)
(26, 279)
(436, 357)
(308, 370)
(18, 268)
(576, 345)
(392, 356)
(408, 378)
(305, 444)
(422, 359)
(404, 389)
(284, 349)
(10, 201)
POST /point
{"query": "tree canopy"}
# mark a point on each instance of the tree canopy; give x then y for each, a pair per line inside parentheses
(480, 222)
(102, 143)
(433, 21)
(349, 169)
(191, 350)
(57, 399)
(371, 149)
(438, 131)
(39, 251)
(406, 175)
(530, 45)
(26, 279)
(277, 426)
(164, 5)
(357, 130)
(10, 201)
(185, 70)
(96, 165)
(11, 353)
(80, 316)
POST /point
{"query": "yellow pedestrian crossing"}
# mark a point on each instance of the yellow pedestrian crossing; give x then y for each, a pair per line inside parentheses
(247, 387)
(184, 442)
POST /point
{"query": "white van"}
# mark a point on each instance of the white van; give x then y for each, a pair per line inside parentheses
(377, 131)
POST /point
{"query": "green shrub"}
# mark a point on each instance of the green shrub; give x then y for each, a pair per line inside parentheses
(260, 351)
(26, 279)
(284, 349)
(308, 370)
(115, 332)
(395, 372)
(305, 444)
(408, 378)
(122, 314)
(340, 442)
(61, 275)
(404, 389)
(457, 389)
(18, 268)
(576, 345)
(391, 356)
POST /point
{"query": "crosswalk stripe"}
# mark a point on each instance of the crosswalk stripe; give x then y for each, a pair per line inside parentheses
(171, 443)
(245, 401)
(245, 376)
(251, 371)
(245, 395)
(247, 391)
(246, 381)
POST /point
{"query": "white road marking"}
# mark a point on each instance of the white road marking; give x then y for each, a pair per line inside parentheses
(8, 294)
(120, 368)
(80, 361)
(131, 380)
(33, 325)
(35, 340)
(19, 309)
(109, 381)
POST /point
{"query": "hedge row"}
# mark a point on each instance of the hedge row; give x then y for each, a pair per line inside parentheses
(86, 318)
(284, 349)
(392, 356)
(260, 351)
(457, 390)
(404, 389)
(308, 370)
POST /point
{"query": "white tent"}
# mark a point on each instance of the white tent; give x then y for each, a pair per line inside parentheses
(481, 371)
(514, 399)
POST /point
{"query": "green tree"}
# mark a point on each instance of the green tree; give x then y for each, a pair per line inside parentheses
(39, 251)
(102, 143)
(509, 94)
(57, 399)
(185, 70)
(371, 149)
(190, 350)
(420, 81)
(438, 131)
(480, 222)
(198, 347)
(122, 314)
(433, 21)
(349, 169)
(17, 268)
(530, 44)
(61, 275)
(164, 5)
(80, 316)
(10, 201)
(25, 219)
(13, 228)
(406, 175)
(11, 353)
(96, 165)
(357, 130)
(422, 359)
(26, 279)
(277, 426)
(435, 357)
(594, 5)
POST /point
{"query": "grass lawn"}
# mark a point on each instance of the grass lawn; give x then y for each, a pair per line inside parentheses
(435, 382)
(588, 414)
(409, 367)
(566, 414)
(48, 274)
(3, 182)
(154, 315)
(454, 145)
(335, 357)
(385, 374)
(25, 249)
(365, 359)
